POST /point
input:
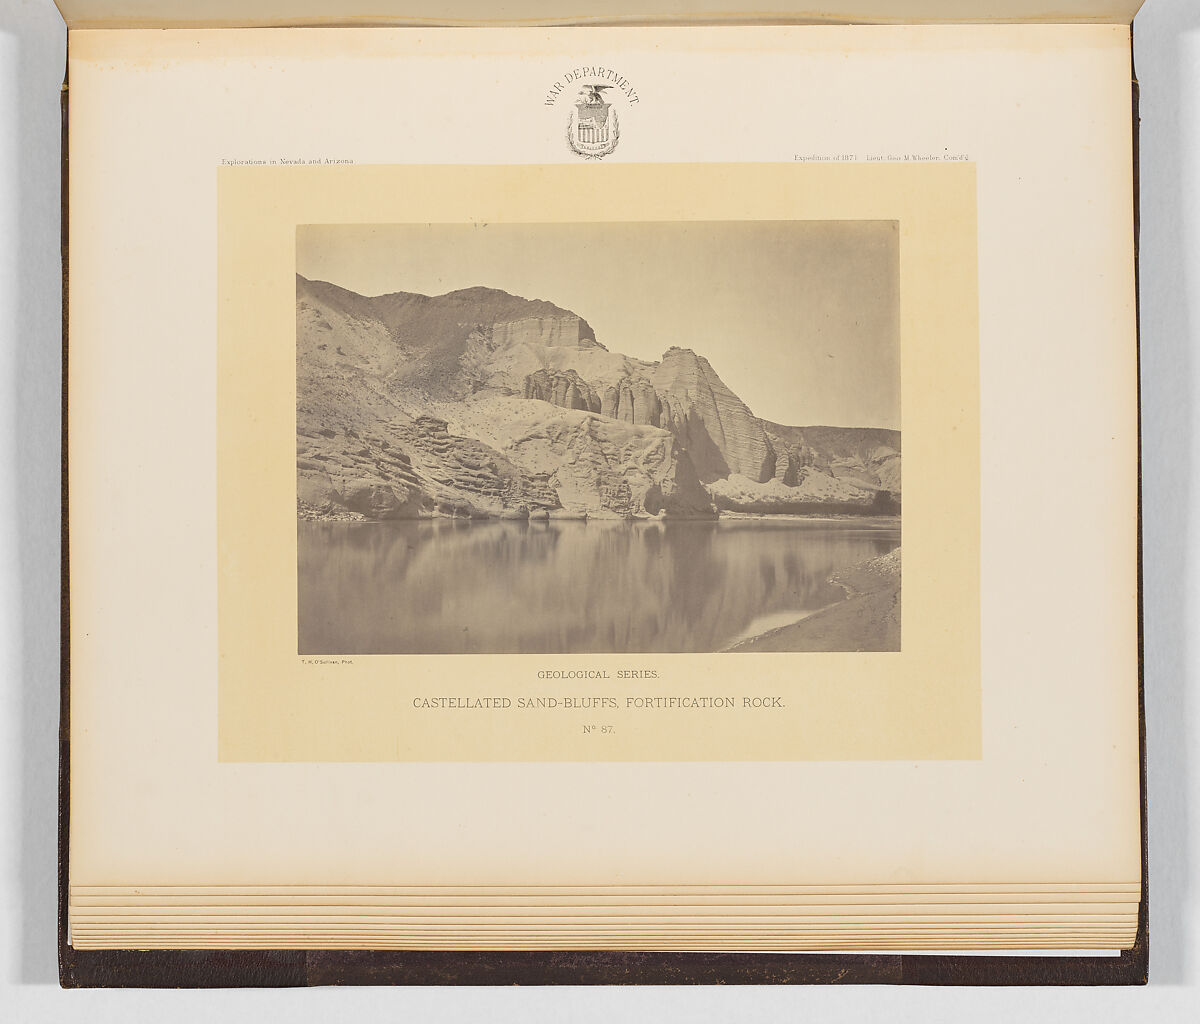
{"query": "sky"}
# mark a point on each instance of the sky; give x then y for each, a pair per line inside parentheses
(799, 318)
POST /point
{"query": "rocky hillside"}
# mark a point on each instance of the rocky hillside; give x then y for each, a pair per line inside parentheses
(480, 403)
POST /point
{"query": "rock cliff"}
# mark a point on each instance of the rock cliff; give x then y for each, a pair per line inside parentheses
(480, 403)
(564, 388)
(710, 420)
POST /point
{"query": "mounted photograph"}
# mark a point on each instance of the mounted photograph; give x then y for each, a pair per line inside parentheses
(598, 438)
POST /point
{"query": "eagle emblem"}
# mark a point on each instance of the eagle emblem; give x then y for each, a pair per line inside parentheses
(593, 130)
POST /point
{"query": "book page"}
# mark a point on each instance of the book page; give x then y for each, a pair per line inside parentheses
(991, 737)
(234, 13)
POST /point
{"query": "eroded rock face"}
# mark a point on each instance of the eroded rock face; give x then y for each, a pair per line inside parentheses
(812, 492)
(566, 331)
(564, 388)
(632, 400)
(481, 403)
(467, 477)
(379, 500)
(629, 400)
(887, 471)
(722, 435)
(681, 494)
(683, 395)
(604, 465)
(338, 487)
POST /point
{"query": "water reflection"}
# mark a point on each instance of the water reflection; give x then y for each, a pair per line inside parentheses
(447, 587)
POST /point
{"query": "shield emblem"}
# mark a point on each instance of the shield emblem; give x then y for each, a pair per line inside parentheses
(593, 129)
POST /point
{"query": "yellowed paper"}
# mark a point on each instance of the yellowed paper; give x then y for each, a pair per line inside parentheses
(920, 703)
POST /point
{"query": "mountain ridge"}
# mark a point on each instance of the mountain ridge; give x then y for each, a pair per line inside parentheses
(478, 402)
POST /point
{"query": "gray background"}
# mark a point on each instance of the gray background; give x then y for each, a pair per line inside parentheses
(32, 53)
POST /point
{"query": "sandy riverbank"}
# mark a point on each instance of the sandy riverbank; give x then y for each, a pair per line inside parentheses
(868, 620)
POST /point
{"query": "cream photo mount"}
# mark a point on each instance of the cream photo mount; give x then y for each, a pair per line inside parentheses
(921, 703)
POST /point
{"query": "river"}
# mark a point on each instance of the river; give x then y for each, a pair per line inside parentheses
(461, 587)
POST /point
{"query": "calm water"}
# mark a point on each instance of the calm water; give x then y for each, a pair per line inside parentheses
(447, 587)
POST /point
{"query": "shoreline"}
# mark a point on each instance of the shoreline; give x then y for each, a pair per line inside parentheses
(312, 515)
(870, 614)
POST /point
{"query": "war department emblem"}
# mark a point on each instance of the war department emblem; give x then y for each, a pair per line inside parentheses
(592, 130)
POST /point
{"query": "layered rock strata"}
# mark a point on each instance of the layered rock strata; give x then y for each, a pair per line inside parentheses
(480, 403)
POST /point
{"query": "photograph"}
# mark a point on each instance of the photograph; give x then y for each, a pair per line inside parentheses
(598, 437)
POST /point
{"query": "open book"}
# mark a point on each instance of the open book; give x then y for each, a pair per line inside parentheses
(633, 487)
